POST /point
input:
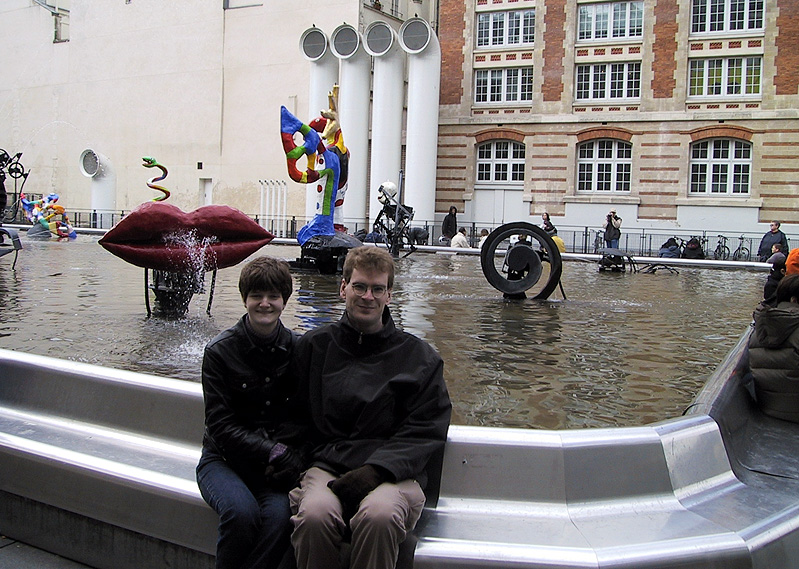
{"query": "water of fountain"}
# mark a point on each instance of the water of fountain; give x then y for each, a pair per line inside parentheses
(624, 349)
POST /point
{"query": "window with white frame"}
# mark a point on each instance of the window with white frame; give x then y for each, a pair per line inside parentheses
(500, 162)
(510, 85)
(510, 28)
(712, 16)
(613, 20)
(608, 81)
(720, 166)
(604, 165)
(724, 77)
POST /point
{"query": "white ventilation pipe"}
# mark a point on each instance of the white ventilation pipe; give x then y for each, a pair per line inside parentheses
(421, 140)
(324, 75)
(353, 112)
(104, 185)
(388, 97)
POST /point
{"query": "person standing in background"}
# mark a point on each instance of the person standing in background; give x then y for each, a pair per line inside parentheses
(612, 225)
(449, 227)
(774, 235)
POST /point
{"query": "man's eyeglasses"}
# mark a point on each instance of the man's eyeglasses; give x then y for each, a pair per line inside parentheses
(360, 289)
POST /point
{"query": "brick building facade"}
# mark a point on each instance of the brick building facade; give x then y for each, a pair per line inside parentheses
(678, 114)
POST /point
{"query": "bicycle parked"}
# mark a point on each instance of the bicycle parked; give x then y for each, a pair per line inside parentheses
(722, 252)
(741, 253)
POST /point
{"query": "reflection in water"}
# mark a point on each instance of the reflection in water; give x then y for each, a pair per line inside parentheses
(624, 349)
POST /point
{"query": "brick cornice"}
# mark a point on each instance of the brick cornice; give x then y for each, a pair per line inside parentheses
(499, 134)
(726, 131)
(604, 132)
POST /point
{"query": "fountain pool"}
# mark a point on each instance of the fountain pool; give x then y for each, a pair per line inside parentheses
(623, 350)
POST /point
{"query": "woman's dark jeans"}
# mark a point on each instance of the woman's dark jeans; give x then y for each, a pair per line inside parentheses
(254, 526)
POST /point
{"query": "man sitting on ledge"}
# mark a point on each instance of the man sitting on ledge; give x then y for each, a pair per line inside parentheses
(379, 409)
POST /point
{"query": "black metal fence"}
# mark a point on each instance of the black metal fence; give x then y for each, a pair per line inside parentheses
(578, 239)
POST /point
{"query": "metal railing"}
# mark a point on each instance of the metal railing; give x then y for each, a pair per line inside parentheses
(578, 239)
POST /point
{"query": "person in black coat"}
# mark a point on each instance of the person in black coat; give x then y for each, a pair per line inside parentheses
(248, 463)
(449, 227)
(378, 411)
(772, 236)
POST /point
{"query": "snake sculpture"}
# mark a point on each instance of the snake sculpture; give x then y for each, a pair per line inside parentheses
(327, 160)
(150, 162)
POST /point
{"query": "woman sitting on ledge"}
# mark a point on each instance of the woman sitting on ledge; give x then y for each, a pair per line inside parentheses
(670, 249)
(774, 353)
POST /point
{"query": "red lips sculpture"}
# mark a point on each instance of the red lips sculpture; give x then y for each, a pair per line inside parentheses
(160, 236)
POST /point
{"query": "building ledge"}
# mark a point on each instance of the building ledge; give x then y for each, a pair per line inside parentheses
(720, 202)
(615, 199)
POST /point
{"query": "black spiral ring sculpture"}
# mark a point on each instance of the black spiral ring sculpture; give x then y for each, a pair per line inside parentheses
(523, 264)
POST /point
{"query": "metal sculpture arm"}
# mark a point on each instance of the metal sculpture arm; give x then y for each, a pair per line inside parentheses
(150, 162)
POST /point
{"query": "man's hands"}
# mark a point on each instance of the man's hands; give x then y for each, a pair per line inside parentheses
(285, 466)
(353, 487)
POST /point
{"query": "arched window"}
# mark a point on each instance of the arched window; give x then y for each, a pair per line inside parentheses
(604, 165)
(720, 166)
(500, 162)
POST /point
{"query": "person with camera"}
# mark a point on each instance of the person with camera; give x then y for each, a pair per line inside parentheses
(612, 225)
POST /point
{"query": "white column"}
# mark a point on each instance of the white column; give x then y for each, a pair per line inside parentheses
(421, 140)
(324, 75)
(388, 96)
(103, 182)
(353, 112)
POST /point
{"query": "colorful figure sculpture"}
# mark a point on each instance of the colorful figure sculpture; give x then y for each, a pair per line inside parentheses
(42, 213)
(327, 160)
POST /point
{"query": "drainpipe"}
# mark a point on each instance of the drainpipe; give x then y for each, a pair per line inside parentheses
(353, 111)
(421, 140)
(388, 96)
(324, 74)
(104, 184)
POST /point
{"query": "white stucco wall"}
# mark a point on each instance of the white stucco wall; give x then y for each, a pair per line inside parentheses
(184, 82)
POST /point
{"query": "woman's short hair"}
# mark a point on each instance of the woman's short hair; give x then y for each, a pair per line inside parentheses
(266, 274)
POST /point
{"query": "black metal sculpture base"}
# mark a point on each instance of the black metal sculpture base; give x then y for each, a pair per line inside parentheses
(173, 291)
(325, 253)
(524, 263)
(12, 246)
(616, 260)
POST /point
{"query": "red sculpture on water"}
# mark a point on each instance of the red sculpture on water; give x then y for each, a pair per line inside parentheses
(179, 247)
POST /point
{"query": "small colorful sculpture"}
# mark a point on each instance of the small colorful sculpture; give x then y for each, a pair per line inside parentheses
(41, 214)
(150, 162)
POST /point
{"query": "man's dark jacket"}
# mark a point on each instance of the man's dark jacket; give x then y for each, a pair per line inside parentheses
(246, 388)
(376, 399)
(769, 239)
